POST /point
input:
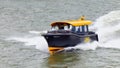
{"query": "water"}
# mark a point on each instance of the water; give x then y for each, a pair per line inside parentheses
(22, 22)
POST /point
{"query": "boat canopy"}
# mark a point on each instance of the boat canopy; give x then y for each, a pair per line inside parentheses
(80, 22)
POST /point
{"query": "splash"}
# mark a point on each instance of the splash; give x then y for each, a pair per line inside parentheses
(85, 46)
(38, 41)
(37, 32)
(108, 29)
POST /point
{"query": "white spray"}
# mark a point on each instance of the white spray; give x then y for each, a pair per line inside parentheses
(38, 41)
(108, 29)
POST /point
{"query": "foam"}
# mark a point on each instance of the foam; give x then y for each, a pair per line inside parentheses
(38, 41)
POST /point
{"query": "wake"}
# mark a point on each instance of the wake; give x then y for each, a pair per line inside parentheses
(108, 29)
(38, 41)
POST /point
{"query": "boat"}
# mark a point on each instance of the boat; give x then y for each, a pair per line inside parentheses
(69, 33)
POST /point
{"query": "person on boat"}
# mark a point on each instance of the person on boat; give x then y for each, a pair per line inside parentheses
(61, 27)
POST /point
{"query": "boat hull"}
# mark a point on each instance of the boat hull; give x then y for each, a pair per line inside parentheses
(59, 41)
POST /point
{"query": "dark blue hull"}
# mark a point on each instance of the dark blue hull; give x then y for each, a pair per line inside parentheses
(69, 39)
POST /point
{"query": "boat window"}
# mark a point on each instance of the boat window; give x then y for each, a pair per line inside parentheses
(66, 27)
(78, 29)
(73, 29)
(86, 28)
(70, 27)
(61, 26)
(83, 28)
(54, 28)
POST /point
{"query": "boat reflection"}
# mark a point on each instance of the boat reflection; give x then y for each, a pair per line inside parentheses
(62, 60)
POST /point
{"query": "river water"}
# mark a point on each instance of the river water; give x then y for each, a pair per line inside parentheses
(22, 21)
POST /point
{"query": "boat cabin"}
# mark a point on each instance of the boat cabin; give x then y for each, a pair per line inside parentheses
(74, 26)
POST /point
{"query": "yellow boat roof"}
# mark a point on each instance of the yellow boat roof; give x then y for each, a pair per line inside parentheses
(79, 22)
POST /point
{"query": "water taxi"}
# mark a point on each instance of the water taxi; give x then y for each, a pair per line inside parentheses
(69, 33)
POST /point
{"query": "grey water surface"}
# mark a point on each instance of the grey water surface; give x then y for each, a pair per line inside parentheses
(18, 17)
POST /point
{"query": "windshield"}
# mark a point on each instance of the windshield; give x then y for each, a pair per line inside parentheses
(61, 27)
